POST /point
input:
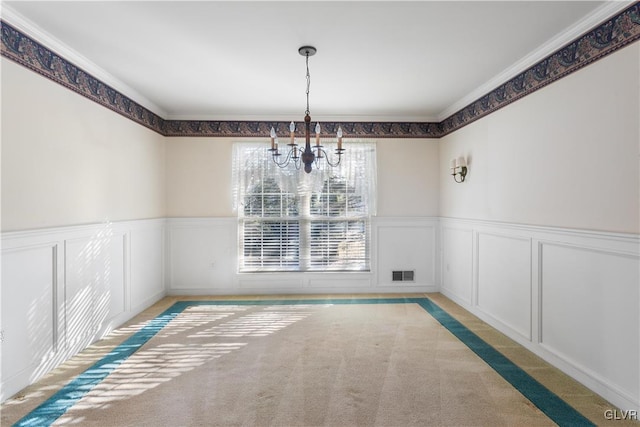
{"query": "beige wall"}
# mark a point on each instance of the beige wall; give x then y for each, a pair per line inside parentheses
(408, 177)
(566, 155)
(67, 160)
(198, 177)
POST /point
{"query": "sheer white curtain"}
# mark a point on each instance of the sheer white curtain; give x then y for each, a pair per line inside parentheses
(252, 161)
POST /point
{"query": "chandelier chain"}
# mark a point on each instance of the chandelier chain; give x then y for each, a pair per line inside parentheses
(308, 83)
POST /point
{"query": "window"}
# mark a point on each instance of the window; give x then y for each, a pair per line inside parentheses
(270, 228)
(339, 227)
(292, 221)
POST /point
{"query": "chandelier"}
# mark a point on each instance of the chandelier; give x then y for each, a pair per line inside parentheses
(312, 154)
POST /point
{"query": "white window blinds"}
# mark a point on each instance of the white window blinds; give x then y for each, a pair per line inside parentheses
(290, 220)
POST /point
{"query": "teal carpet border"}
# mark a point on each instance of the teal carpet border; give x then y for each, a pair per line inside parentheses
(547, 401)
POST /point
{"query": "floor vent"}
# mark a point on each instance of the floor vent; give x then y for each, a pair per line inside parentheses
(402, 276)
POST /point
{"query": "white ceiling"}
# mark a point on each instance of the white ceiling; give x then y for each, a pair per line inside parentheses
(378, 61)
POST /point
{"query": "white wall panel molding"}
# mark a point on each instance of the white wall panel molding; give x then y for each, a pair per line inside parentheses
(456, 247)
(146, 261)
(578, 289)
(406, 244)
(590, 295)
(63, 288)
(598, 238)
(202, 260)
(201, 257)
(95, 285)
(31, 318)
(503, 279)
(582, 288)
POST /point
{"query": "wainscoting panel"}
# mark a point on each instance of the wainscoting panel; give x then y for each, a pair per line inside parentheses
(202, 255)
(94, 285)
(504, 280)
(146, 242)
(66, 287)
(569, 296)
(406, 244)
(30, 315)
(590, 296)
(202, 259)
(457, 270)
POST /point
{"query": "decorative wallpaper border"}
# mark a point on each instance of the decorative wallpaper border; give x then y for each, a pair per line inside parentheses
(262, 129)
(613, 34)
(617, 32)
(31, 54)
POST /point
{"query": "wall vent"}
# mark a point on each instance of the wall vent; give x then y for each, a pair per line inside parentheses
(402, 276)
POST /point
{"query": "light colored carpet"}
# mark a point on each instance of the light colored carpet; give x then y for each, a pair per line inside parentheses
(296, 365)
(346, 365)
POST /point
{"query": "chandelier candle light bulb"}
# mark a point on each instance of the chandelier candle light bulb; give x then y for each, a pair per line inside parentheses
(292, 132)
(309, 155)
(273, 138)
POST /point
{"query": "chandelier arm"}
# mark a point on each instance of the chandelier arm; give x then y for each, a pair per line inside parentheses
(285, 162)
(326, 157)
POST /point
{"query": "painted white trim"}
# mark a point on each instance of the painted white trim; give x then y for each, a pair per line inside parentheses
(469, 256)
(599, 244)
(112, 261)
(12, 238)
(625, 245)
(216, 272)
(527, 335)
(630, 238)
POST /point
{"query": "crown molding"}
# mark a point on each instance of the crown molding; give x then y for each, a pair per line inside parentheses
(37, 34)
(586, 24)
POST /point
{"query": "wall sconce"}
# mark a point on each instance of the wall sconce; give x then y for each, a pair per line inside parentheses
(458, 167)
